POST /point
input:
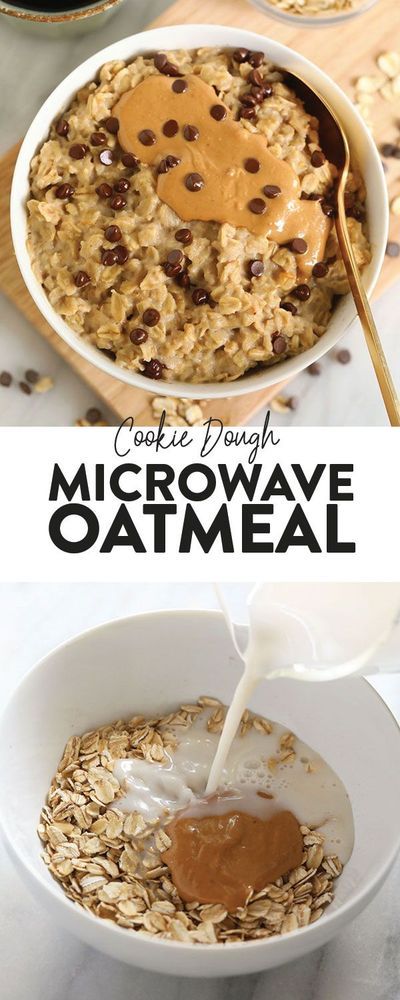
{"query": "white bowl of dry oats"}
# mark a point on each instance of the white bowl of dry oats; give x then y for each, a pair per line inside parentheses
(114, 222)
(60, 741)
(314, 13)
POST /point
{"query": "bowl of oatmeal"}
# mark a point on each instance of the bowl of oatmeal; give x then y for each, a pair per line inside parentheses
(315, 13)
(84, 772)
(172, 213)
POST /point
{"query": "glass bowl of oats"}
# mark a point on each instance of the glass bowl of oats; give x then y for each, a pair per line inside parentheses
(117, 188)
(132, 692)
(314, 13)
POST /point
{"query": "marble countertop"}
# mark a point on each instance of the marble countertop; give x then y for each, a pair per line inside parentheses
(349, 396)
(40, 961)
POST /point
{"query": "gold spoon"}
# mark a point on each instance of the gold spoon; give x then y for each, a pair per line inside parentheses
(334, 144)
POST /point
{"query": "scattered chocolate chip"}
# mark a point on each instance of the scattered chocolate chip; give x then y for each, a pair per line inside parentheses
(65, 191)
(175, 257)
(62, 127)
(255, 77)
(184, 236)
(252, 165)
(317, 158)
(169, 128)
(160, 60)
(113, 234)
(104, 191)
(247, 113)
(298, 245)
(191, 133)
(93, 415)
(130, 161)
(393, 249)
(122, 185)
(200, 296)
(256, 268)
(320, 270)
(32, 376)
(240, 55)
(107, 157)
(314, 369)
(153, 368)
(5, 379)
(289, 307)
(112, 125)
(147, 137)
(138, 336)
(165, 165)
(81, 279)
(271, 190)
(218, 112)
(279, 343)
(343, 356)
(151, 317)
(118, 202)
(179, 86)
(302, 292)
(25, 388)
(256, 59)
(194, 182)
(388, 149)
(109, 257)
(78, 151)
(98, 138)
(257, 206)
(122, 253)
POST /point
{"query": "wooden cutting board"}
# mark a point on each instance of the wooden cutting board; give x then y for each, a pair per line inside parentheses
(345, 52)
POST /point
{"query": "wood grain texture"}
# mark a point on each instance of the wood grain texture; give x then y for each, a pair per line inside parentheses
(345, 52)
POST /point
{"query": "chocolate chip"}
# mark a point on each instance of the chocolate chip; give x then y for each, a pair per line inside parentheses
(165, 165)
(138, 336)
(118, 202)
(252, 165)
(257, 206)
(172, 270)
(249, 100)
(317, 158)
(112, 125)
(218, 112)
(179, 86)
(279, 343)
(302, 292)
(271, 190)
(107, 157)
(78, 151)
(81, 279)
(255, 77)
(191, 133)
(200, 296)
(298, 245)
(267, 89)
(109, 257)
(343, 356)
(25, 388)
(320, 270)
(388, 149)
(32, 376)
(168, 69)
(62, 127)
(98, 138)
(328, 209)
(147, 137)
(256, 268)
(151, 317)
(122, 185)
(396, 153)
(314, 369)
(289, 307)
(108, 353)
(153, 368)
(65, 191)
(169, 128)
(93, 415)
(247, 113)
(130, 161)
(256, 59)
(175, 257)
(122, 253)
(5, 379)
(184, 236)
(393, 249)
(240, 55)
(160, 60)
(113, 234)
(258, 94)
(194, 182)
(104, 191)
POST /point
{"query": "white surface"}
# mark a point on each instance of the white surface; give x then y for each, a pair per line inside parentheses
(40, 961)
(336, 398)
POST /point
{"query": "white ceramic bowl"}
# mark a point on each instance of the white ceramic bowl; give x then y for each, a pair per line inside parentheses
(191, 36)
(152, 662)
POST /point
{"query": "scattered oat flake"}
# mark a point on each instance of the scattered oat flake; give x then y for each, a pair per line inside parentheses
(389, 63)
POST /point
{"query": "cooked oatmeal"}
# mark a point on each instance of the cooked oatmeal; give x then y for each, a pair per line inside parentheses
(110, 861)
(193, 300)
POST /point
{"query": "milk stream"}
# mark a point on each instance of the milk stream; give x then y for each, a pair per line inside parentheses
(311, 632)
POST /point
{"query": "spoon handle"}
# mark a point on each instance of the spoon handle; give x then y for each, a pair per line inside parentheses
(374, 345)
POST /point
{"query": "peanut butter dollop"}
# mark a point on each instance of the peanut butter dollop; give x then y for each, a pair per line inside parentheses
(234, 165)
(220, 858)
